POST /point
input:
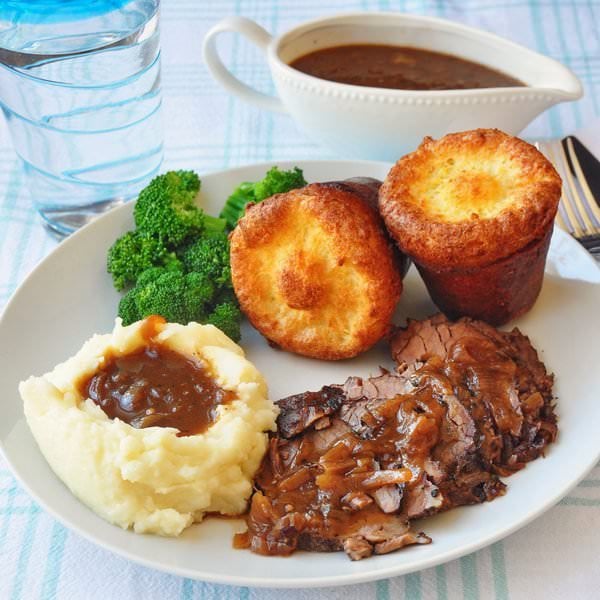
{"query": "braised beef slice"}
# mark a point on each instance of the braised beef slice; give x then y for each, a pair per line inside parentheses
(496, 376)
(302, 410)
(353, 464)
(354, 484)
(330, 489)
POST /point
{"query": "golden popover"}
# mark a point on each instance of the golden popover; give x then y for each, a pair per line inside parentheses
(315, 271)
(475, 211)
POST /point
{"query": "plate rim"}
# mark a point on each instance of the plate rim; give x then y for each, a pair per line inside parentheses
(289, 582)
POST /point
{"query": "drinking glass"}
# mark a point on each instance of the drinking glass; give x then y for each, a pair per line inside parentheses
(80, 90)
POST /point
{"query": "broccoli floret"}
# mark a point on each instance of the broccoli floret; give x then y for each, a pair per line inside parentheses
(227, 317)
(165, 207)
(128, 310)
(187, 180)
(209, 256)
(275, 181)
(224, 296)
(177, 259)
(178, 297)
(197, 295)
(154, 272)
(132, 254)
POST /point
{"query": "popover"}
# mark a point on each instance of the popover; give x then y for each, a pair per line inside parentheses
(315, 271)
(475, 211)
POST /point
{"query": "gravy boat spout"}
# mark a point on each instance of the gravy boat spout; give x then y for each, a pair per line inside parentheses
(377, 123)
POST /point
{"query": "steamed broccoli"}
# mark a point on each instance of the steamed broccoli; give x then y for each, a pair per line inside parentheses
(236, 204)
(178, 297)
(227, 318)
(128, 310)
(165, 208)
(177, 259)
(153, 272)
(214, 224)
(209, 255)
(225, 295)
(132, 254)
(275, 181)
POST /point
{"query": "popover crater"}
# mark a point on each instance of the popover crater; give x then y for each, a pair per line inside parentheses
(315, 272)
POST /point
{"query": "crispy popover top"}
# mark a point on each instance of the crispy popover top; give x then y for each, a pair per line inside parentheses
(314, 271)
(469, 198)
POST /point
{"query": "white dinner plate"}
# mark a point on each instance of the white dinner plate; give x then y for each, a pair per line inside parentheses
(69, 296)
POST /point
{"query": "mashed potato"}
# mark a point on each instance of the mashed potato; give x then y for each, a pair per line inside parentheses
(150, 479)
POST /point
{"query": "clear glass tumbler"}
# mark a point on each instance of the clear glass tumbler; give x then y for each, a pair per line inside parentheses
(80, 89)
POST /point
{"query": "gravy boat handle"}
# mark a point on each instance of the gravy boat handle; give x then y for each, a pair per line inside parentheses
(260, 38)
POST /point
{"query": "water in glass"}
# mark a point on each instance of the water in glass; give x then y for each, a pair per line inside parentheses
(80, 89)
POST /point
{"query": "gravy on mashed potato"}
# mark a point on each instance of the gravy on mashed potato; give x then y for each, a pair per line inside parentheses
(156, 386)
(152, 479)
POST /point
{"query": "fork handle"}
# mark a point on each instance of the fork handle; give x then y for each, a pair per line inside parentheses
(591, 243)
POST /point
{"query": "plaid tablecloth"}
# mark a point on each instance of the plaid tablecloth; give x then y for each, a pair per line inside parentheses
(557, 556)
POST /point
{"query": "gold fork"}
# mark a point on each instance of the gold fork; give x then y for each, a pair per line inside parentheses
(578, 212)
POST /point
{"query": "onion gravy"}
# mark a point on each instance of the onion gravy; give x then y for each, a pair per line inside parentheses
(399, 67)
(156, 386)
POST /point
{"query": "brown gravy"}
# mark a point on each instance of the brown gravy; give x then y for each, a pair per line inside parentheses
(352, 466)
(327, 492)
(157, 386)
(399, 67)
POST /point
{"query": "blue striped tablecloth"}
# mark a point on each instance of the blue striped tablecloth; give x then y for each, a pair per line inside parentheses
(557, 556)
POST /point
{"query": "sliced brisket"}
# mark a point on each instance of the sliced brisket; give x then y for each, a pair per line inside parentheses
(496, 376)
(353, 464)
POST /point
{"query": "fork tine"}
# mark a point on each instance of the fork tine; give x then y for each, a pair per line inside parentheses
(584, 218)
(585, 188)
(574, 227)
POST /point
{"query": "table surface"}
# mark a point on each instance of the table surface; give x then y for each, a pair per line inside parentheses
(554, 557)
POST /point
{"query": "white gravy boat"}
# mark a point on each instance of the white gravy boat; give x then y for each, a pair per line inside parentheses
(376, 123)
